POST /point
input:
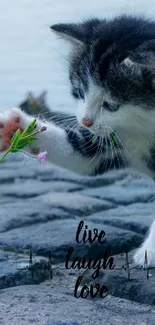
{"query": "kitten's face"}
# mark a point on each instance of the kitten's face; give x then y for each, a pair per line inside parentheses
(109, 77)
(96, 108)
(117, 104)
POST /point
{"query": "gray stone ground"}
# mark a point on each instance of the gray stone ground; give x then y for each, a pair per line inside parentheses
(41, 207)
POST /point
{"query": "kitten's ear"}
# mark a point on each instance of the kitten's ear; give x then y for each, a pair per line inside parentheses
(70, 32)
(77, 33)
(128, 62)
(140, 68)
(30, 98)
(143, 70)
(136, 67)
(42, 97)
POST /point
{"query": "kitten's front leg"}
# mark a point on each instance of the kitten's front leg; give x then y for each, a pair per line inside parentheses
(149, 247)
(55, 140)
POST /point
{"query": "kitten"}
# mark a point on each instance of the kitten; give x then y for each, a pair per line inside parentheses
(37, 106)
(32, 105)
(112, 76)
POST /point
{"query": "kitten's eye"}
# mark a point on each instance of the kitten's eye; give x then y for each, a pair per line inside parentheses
(110, 107)
(81, 94)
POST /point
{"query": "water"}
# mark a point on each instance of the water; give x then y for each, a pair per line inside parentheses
(31, 57)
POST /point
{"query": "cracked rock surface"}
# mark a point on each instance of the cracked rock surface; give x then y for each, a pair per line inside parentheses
(41, 207)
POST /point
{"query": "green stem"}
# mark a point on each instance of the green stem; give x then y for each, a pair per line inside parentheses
(5, 154)
(30, 135)
(27, 153)
(9, 150)
(23, 138)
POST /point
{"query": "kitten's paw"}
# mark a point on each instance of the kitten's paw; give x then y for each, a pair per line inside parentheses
(140, 259)
(149, 247)
(10, 122)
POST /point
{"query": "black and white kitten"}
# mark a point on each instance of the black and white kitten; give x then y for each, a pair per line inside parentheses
(112, 75)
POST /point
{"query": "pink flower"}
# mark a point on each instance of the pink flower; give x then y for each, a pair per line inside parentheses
(44, 128)
(42, 156)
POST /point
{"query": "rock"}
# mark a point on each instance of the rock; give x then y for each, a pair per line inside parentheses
(58, 238)
(57, 173)
(15, 269)
(41, 207)
(35, 188)
(136, 217)
(24, 213)
(44, 305)
(138, 287)
(75, 203)
(121, 195)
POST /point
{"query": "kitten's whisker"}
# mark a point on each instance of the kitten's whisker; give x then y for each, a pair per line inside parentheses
(106, 144)
(62, 121)
(85, 145)
(74, 129)
(112, 152)
(96, 155)
(117, 138)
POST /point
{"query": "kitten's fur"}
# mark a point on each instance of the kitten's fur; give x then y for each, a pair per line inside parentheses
(112, 75)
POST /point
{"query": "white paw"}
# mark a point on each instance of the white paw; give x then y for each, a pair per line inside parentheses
(140, 257)
(10, 122)
(149, 247)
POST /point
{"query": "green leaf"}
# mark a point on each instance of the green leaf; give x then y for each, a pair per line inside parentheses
(29, 129)
(21, 140)
(13, 150)
(15, 139)
(23, 144)
(94, 138)
(32, 139)
(27, 139)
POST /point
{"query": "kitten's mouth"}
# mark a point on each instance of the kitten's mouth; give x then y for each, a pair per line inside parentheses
(99, 129)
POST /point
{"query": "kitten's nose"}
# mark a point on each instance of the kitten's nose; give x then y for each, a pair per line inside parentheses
(87, 123)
